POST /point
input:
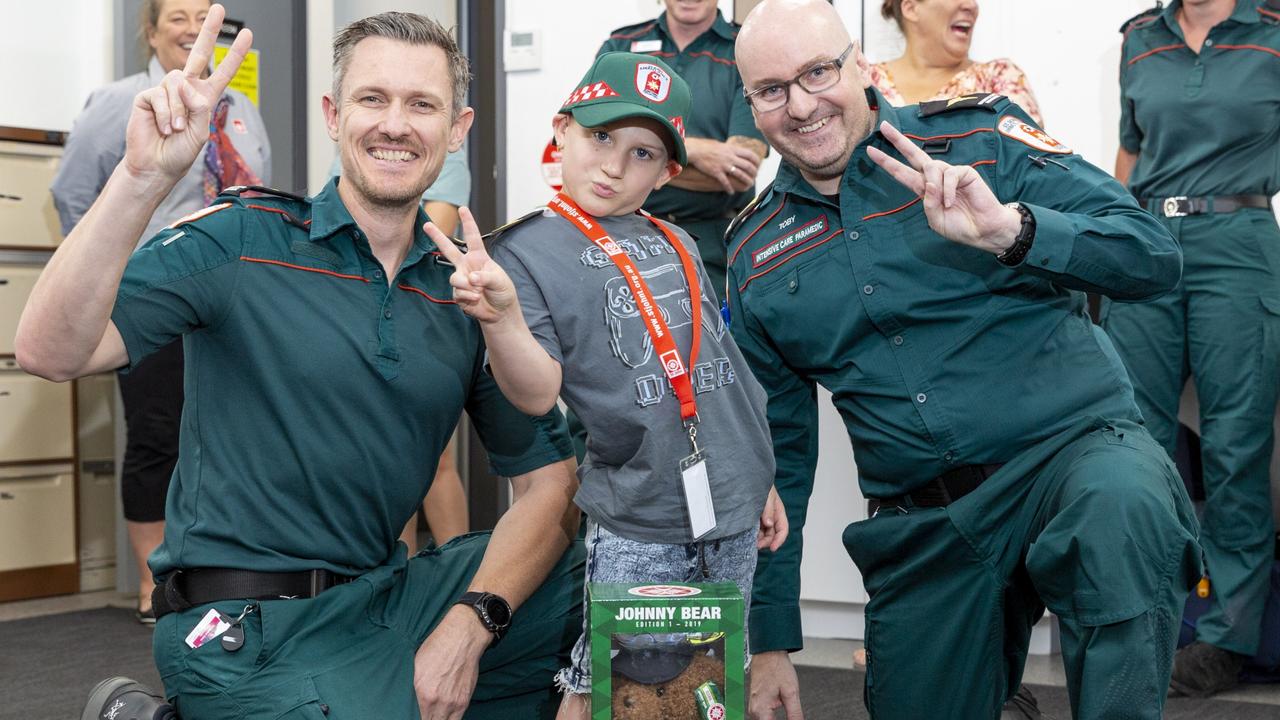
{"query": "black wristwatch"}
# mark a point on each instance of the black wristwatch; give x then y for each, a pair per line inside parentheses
(1017, 252)
(494, 612)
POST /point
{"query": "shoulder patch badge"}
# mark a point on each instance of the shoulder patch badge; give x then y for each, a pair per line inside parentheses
(494, 233)
(1146, 17)
(1029, 135)
(974, 100)
(205, 212)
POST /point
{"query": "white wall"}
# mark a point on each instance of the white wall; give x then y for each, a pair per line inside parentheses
(572, 31)
(55, 52)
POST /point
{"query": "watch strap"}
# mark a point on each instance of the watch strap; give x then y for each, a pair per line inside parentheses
(478, 601)
(1017, 252)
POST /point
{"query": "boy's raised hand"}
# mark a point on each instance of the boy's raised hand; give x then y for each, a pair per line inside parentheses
(480, 286)
(170, 122)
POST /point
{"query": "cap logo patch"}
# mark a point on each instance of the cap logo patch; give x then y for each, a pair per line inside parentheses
(1010, 126)
(678, 123)
(594, 91)
(652, 82)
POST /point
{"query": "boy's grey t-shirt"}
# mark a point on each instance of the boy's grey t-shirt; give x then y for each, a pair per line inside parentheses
(581, 311)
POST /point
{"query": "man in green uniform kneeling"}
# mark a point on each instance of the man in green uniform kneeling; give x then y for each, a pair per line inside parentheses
(925, 264)
(326, 368)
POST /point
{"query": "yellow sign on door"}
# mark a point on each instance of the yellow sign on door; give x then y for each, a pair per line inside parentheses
(246, 79)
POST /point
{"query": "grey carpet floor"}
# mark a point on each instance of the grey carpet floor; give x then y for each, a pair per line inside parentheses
(49, 664)
(836, 694)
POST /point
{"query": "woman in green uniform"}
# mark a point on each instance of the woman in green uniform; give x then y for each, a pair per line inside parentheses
(1200, 149)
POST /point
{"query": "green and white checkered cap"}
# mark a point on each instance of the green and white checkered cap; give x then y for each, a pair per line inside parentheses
(624, 85)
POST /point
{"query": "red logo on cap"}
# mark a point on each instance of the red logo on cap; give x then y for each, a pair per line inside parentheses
(678, 123)
(594, 91)
(652, 82)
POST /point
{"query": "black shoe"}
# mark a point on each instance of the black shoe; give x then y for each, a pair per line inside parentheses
(1023, 705)
(146, 617)
(1201, 670)
(120, 698)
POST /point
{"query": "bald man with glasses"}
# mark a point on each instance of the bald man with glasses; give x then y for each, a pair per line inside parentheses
(927, 265)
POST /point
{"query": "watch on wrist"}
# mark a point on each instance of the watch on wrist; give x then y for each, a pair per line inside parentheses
(493, 611)
(1017, 252)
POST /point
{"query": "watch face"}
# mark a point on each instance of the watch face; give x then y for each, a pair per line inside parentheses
(498, 611)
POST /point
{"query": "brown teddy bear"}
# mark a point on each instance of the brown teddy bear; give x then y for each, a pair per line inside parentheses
(670, 700)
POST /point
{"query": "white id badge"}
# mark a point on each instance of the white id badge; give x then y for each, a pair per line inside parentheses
(644, 46)
(697, 494)
(210, 626)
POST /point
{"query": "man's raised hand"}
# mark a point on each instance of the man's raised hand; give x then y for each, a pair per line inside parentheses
(170, 122)
(957, 202)
(480, 286)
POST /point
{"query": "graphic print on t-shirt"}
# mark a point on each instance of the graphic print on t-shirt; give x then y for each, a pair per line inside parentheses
(629, 340)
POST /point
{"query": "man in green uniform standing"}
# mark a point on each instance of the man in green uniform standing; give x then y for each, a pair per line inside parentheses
(325, 370)
(1200, 149)
(724, 146)
(925, 265)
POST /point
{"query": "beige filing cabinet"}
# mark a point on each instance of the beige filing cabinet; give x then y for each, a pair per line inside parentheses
(38, 533)
(95, 420)
(28, 162)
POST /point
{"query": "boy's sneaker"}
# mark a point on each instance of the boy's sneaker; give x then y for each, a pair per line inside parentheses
(1201, 670)
(120, 698)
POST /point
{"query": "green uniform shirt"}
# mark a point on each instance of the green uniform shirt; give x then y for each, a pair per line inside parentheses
(1202, 124)
(719, 111)
(318, 397)
(936, 354)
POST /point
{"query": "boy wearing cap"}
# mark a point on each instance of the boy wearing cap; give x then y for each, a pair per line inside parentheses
(607, 307)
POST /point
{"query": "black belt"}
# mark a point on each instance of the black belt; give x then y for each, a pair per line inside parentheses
(940, 491)
(1181, 205)
(184, 589)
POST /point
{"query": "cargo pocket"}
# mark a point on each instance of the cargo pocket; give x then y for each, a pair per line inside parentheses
(218, 668)
(298, 700)
(1268, 357)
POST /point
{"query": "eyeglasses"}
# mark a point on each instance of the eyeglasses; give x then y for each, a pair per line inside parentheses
(820, 77)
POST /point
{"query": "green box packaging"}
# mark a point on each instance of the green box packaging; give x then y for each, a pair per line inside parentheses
(653, 646)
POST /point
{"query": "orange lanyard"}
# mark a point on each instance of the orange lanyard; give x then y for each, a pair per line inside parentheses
(665, 345)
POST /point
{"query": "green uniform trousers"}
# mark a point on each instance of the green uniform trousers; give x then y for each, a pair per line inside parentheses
(347, 654)
(1221, 327)
(1093, 523)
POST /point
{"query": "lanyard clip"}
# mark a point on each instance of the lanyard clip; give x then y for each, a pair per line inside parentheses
(691, 425)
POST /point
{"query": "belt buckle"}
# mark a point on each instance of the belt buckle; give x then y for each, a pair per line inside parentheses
(1176, 206)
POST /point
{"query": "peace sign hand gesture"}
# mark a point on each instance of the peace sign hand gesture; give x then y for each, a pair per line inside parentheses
(480, 286)
(957, 202)
(170, 122)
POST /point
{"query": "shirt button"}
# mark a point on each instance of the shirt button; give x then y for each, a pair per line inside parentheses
(867, 289)
(949, 456)
(386, 314)
(1208, 43)
(853, 234)
(377, 274)
(791, 284)
(897, 340)
(1044, 261)
(921, 397)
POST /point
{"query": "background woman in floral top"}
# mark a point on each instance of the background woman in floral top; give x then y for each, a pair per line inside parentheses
(936, 62)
